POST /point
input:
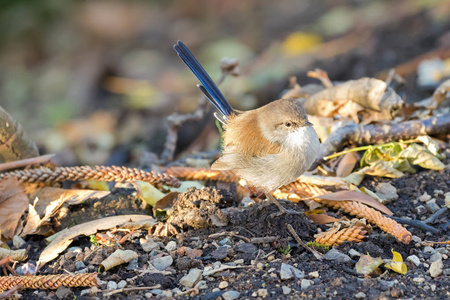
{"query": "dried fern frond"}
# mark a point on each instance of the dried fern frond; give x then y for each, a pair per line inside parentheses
(105, 173)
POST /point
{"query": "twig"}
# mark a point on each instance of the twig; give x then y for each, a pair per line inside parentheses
(415, 223)
(143, 288)
(11, 291)
(436, 215)
(26, 162)
(316, 254)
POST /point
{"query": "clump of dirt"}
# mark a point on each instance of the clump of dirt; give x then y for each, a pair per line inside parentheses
(200, 208)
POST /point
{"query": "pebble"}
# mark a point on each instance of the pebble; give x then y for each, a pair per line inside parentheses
(201, 285)
(230, 295)
(79, 265)
(428, 249)
(414, 259)
(259, 266)
(419, 280)
(270, 258)
(386, 192)
(190, 279)
(416, 239)
(121, 284)
(161, 263)
(436, 256)
(262, 293)
(305, 284)
(171, 246)
(149, 245)
(246, 201)
(425, 197)
(133, 264)
(436, 268)
(353, 253)
(63, 292)
(421, 210)
(432, 205)
(225, 241)
(334, 254)
(314, 274)
(444, 256)
(286, 290)
(223, 285)
(76, 250)
(289, 272)
(156, 291)
(360, 295)
(111, 285)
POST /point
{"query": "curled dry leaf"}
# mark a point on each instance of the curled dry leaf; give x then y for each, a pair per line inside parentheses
(117, 258)
(60, 243)
(367, 264)
(347, 164)
(13, 203)
(15, 255)
(322, 219)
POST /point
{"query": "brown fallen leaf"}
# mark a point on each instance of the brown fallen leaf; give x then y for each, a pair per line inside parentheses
(61, 242)
(117, 258)
(13, 203)
(347, 164)
(322, 219)
(355, 196)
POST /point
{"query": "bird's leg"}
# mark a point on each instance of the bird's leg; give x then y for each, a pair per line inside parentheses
(283, 210)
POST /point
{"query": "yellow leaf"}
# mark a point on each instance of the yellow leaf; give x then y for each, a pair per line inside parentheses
(367, 264)
(98, 185)
(148, 193)
(396, 264)
(299, 42)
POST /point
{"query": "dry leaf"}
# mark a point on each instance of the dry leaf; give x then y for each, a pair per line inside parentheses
(60, 243)
(367, 264)
(322, 219)
(355, 196)
(347, 164)
(117, 258)
(16, 255)
(13, 203)
(148, 193)
(396, 264)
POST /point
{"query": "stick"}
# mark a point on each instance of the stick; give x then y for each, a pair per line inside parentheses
(316, 254)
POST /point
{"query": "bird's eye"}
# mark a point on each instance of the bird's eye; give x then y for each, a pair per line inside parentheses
(288, 124)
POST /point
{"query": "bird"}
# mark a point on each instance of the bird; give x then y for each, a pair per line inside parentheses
(269, 146)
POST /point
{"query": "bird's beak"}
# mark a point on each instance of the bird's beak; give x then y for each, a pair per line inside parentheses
(307, 123)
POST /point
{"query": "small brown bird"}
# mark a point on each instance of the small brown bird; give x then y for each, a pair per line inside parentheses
(269, 146)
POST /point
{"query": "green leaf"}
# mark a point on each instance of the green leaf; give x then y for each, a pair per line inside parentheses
(419, 155)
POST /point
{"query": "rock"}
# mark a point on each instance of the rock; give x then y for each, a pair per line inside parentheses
(436, 268)
(386, 192)
(305, 283)
(428, 249)
(112, 285)
(246, 201)
(220, 253)
(396, 292)
(314, 274)
(156, 291)
(288, 272)
(230, 295)
(286, 290)
(260, 266)
(133, 264)
(432, 206)
(416, 239)
(421, 210)
(446, 272)
(63, 292)
(419, 280)
(75, 250)
(149, 245)
(414, 259)
(353, 253)
(121, 284)
(161, 263)
(360, 295)
(262, 293)
(225, 241)
(246, 248)
(171, 246)
(223, 285)
(79, 265)
(425, 197)
(334, 254)
(190, 279)
(201, 285)
(436, 256)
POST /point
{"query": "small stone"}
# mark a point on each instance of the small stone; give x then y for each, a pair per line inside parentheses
(246, 201)
(156, 291)
(230, 295)
(438, 192)
(353, 253)
(436, 268)
(225, 241)
(254, 294)
(262, 293)
(220, 253)
(305, 283)
(223, 285)
(246, 248)
(63, 292)
(421, 210)
(428, 249)
(201, 285)
(190, 279)
(425, 197)
(133, 264)
(334, 254)
(121, 284)
(286, 290)
(112, 285)
(447, 198)
(171, 246)
(270, 258)
(289, 272)
(149, 245)
(432, 206)
(414, 259)
(436, 256)
(396, 292)
(76, 250)
(360, 295)
(161, 263)
(444, 256)
(79, 265)
(446, 272)
(18, 241)
(148, 295)
(419, 280)
(416, 239)
(314, 274)
(386, 192)
(433, 287)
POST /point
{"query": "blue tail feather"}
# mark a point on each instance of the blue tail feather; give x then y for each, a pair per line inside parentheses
(208, 87)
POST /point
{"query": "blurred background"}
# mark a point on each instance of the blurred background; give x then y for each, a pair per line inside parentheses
(94, 81)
